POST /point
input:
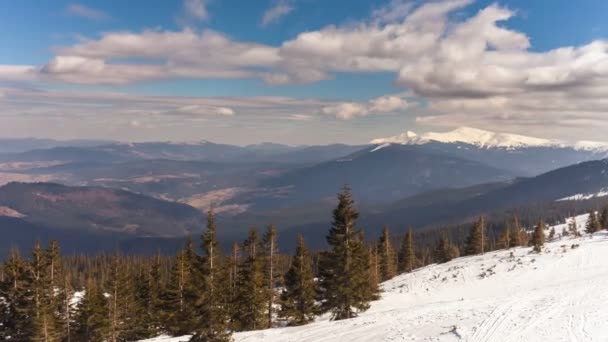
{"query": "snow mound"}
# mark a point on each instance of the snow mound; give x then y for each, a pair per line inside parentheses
(508, 295)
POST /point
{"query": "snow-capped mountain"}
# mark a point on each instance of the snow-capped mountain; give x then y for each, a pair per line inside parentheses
(487, 139)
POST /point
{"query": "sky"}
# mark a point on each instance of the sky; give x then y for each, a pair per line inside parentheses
(301, 71)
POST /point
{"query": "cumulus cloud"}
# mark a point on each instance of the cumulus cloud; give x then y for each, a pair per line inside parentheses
(473, 70)
(196, 9)
(280, 9)
(380, 105)
(83, 11)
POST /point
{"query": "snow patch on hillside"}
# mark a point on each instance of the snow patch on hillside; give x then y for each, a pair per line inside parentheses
(487, 139)
(580, 197)
(508, 296)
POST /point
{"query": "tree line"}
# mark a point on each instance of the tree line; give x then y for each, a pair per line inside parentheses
(209, 294)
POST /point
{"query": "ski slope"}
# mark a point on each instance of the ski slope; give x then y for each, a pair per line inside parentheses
(511, 295)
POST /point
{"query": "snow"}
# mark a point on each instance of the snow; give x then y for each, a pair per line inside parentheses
(509, 295)
(379, 147)
(487, 139)
(580, 197)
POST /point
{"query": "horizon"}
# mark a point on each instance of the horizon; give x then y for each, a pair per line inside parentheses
(301, 72)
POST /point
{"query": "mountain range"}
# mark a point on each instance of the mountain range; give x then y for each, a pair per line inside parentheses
(426, 181)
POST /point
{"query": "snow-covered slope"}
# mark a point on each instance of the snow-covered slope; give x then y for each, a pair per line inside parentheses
(487, 139)
(509, 295)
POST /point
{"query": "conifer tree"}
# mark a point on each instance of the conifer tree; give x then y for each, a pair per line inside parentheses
(407, 254)
(519, 237)
(180, 294)
(92, 322)
(155, 289)
(551, 234)
(387, 258)
(593, 223)
(476, 242)
(374, 277)
(45, 323)
(249, 305)
(343, 270)
(604, 219)
(15, 289)
(123, 309)
(505, 237)
(235, 259)
(298, 297)
(538, 237)
(573, 227)
(445, 250)
(271, 276)
(211, 310)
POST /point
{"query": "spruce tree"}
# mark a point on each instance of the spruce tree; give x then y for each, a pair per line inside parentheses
(249, 306)
(46, 326)
(211, 309)
(476, 242)
(593, 223)
(519, 237)
(387, 258)
(298, 297)
(16, 292)
(123, 309)
(604, 219)
(91, 321)
(573, 227)
(407, 254)
(445, 250)
(180, 294)
(374, 277)
(505, 237)
(343, 270)
(538, 237)
(271, 276)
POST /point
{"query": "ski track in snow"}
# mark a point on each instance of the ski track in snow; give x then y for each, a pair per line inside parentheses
(501, 296)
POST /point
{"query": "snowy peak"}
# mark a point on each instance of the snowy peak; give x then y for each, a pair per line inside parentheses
(486, 139)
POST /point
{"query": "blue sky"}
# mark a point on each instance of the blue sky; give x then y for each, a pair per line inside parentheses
(480, 63)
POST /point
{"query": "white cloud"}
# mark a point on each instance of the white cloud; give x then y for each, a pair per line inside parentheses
(18, 72)
(80, 10)
(380, 105)
(280, 9)
(196, 9)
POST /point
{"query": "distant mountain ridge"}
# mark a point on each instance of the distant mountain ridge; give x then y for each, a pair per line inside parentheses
(487, 139)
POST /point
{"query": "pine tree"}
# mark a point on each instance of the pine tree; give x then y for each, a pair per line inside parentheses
(298, 297)
(593, 223)
(573, 227)
(538, 237)
(407, 254)
(271, 276)
(343, 270)
(249, 306)
(387, 259)
(445, 250)
(373, 262)
(505, 237)
(211, 310)
(155, 289)
(551, 234)
(45, 323)
(123, 309)
(519, 237)
(178, 298)
(16, 292)
(476, 242)
(91, 322)
(604, 219)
